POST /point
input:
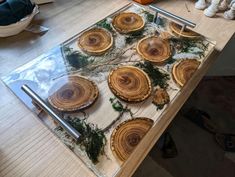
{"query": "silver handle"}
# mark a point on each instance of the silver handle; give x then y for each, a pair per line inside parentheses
(39, 101)
(175, 17)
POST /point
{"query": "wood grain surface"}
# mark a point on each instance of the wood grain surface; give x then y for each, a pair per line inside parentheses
(27, 148)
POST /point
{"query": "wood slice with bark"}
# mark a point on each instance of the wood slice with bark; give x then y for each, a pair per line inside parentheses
(130, 83)
(128, 22)
(95, 41)
(127, 135)
(160, 98)
(154, 49)
(73, 93)
(187, 33)
(184, 70)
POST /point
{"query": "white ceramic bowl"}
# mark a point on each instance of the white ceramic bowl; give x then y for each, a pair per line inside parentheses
(19, 26)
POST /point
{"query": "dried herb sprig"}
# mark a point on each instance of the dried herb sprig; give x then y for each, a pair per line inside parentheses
(76, 59)
(157, 77)
(104, 24)
(92, 138)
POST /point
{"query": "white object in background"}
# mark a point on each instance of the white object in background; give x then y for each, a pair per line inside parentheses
(42, 1)
(19, 26)
(230, 14)
(223, 5)
(212, 9)
(201, 4)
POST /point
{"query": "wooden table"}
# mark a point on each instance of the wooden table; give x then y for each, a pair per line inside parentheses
(27, 148)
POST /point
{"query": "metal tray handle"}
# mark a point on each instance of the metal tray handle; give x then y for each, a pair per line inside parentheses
(41, 103)
(170, 15)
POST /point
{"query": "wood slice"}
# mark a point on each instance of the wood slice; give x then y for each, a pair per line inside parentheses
(130, 83)
(184, 70)
(161, 97)
(73, 93)
(187, 33)
(95, 41)
(154, 49)
(127, 135)
(128, 22)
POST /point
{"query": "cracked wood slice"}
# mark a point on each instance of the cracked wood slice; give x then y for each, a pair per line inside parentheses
(72, 93)
(95, 41)
(127, 135)
(130, 83)
(160, 97)
(128, 22)
(187, 33)
(184, 70)
(154, 49)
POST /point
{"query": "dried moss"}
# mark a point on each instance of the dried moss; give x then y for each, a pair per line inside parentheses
(92, 139)
(157, 77)
(76, 59)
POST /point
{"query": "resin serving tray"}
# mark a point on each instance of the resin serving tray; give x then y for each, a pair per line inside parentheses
(41, 73)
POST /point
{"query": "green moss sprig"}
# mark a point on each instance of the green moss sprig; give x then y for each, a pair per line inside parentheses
(134, 36)
(120, 108)
(160, 106)
(76, 59)
(104, 24)
(92, 139)
(116, 105)
(157, 77)
(149, 16)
